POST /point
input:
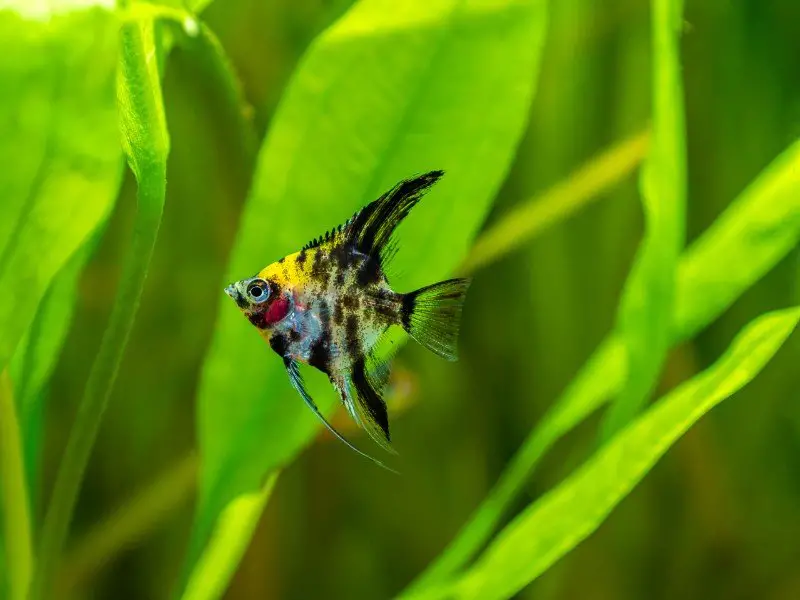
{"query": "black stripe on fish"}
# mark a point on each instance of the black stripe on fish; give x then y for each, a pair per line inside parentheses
(320, 266)
(257, 319)
(370, 400)
(343, 257)
(369, 272)
(320, 353)
(351, 332)
(240, 300)
(350, 302)
(338, 314)
(279, 342)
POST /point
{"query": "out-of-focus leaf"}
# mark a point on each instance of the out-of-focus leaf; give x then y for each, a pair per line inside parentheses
(560, 202)
(765, 220)
(757, 231)
(14, 497)
(644, 320)
(146, 143)
(59, 152)
(560, 520)
(35, 357)
(4, 592)
(59, 174)
(390, 91)
(229, 542)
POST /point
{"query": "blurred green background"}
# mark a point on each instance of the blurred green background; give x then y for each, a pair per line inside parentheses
(718, 518)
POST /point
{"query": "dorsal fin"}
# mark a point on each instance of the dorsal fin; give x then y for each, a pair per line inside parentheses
(370, 229)
(329, 235)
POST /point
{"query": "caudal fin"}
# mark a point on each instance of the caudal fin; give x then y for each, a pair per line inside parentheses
(432, 315)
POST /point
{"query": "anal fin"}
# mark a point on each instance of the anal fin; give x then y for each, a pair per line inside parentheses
(297, 382)
(369, 406)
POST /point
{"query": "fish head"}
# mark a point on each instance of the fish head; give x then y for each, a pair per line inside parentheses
(262, 300)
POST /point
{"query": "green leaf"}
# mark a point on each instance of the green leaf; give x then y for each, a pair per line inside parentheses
(59, 152)
(646, 308)
(60, 173)
(146, 144)
(757, 231)
(759, 228)
(528, 219)
(391, 90)
(561, 519)
(37, 353)
(228, 544)
(14, 497)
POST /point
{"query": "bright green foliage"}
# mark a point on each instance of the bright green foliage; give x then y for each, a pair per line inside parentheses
(647, 303)
(146, 144)
(60, 157)
(757, 231)
(220, 558)
(36, 354)
(541, 213)
(391, 89)
(366, 108)
(14, 501)
(553, 525)
(60, 151)
(764, 218)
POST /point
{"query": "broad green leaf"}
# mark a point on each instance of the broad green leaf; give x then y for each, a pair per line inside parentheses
(759, 228)
(558, 521)
(60, 173)
(59, 151)
(646, 308)
(36, 356)
(391, 90)
(146, 144)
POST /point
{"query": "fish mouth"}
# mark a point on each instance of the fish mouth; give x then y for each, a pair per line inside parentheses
(237, 296)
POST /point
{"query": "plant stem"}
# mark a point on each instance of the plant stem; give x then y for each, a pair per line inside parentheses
(559, 202)
(14, 494)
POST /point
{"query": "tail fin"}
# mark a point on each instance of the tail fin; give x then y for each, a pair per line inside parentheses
(432, 315)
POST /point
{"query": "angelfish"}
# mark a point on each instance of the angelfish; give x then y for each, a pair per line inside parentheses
(329, 304)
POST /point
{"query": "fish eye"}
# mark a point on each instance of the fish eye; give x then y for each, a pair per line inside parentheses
(258, 290)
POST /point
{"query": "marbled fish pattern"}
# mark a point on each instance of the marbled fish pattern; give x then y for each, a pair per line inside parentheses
(329, 304)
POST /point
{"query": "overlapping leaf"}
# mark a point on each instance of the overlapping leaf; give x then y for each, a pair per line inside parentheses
(759, 228)
(391, 90)
(647, 303)
(557, 522)
(60, 172)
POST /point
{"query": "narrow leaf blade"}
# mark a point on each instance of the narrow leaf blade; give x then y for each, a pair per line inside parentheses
(765, 220)
(557, 522)
(647, 304)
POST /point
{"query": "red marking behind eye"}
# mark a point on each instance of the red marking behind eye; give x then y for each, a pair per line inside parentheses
(278, 309)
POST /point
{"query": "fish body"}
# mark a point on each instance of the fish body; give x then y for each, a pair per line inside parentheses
(329, 304)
